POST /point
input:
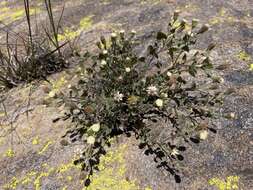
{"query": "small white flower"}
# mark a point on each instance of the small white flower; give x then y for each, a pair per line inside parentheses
(159, 103)
(113, 35)
(203, 135)
(221, 80)
(169, 74)
(133, 32)
(105, 52)
(120, 78)
(95, 127)
(118, 96)
(164, 95)
(232, 115)
(78, 151)
(91, 140)
(69, 86)
(128, 59)
(152, 90)
(127, 69)
(122, 32)
(174, 152)
(103, 63)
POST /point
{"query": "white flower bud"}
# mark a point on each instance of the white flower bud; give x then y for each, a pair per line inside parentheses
(113, 35)
(118, 96)
(152, 90)
(174, 152)
(103, 62)
(159, 103)
(232, 115)
(95, 127)
(105, 52)
(91, 140)
(127, 69)
(122, 32)
(164, 95)
(133, 32)
(169, 74)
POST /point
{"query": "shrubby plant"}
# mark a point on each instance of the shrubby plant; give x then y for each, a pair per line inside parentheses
(38, 55)
(166, 99)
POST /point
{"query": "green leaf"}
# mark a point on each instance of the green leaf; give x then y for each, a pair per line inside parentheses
(192, 70)
(161, 35)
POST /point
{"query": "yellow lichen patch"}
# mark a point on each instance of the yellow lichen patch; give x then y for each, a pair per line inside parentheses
(242, 55)
(250, 68)
(56, 87)
(230, 183)
(222, 16)
(27, 179)
(222, 12)
(8, 15)
(35, 141)
(65, 167)
(45, 147)
(191, 7)
(111, 175)
(69, 178)
(35, 178)
(86, 22)
(215, 20)
(13, 184)
(69, 34)
(37, 181)
(9, 153)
